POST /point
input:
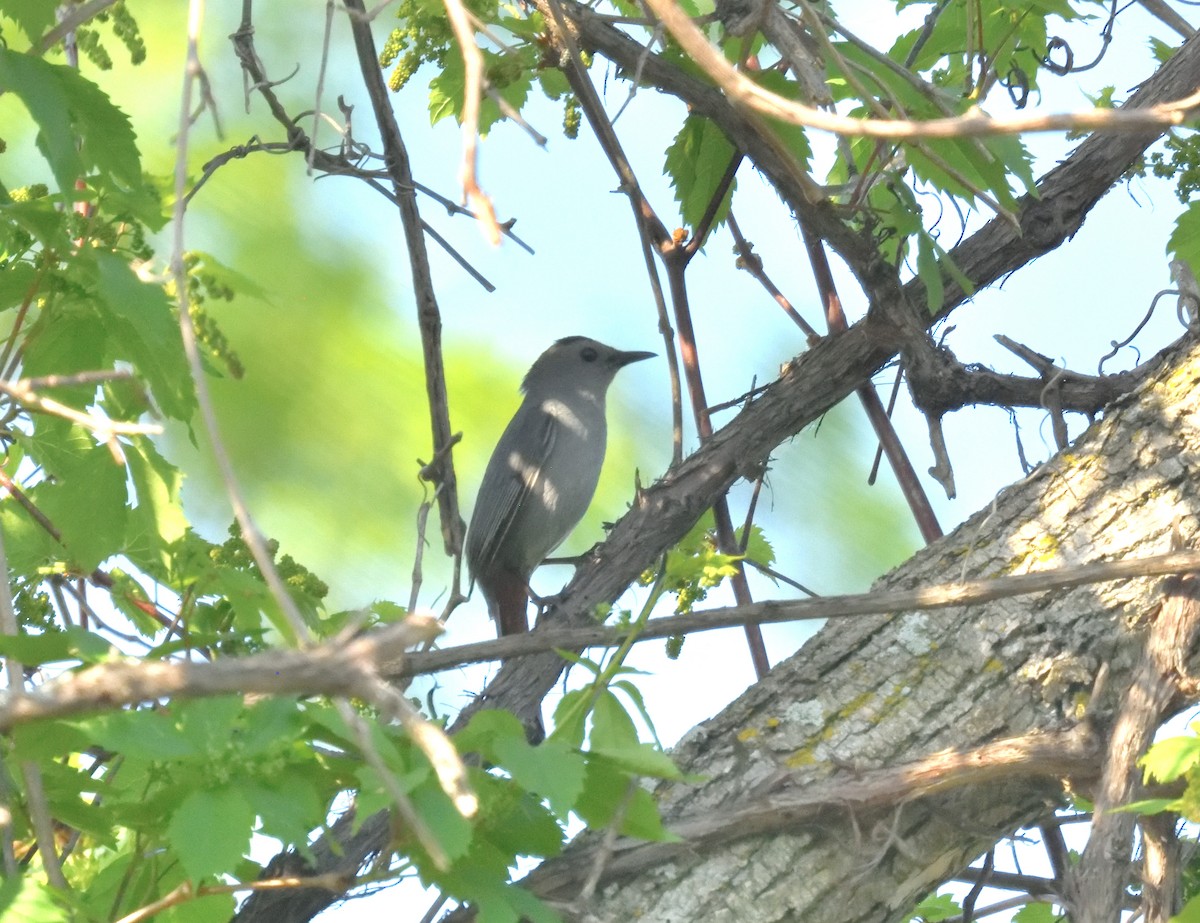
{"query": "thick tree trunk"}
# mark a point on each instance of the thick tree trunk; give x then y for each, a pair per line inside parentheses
(881, 692)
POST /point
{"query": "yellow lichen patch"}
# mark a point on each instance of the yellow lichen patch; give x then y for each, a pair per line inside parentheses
(747, 734)
(800, 758)
(993, 666)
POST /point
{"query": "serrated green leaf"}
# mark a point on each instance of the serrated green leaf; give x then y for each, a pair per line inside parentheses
(695, 163)
(570, 717)
(517, 826)
(80, 128)
(33, 17)
(1162, 51)
(758, 549)
(1184, 243)
(793, 136)
(28, 545)
(1170, 758)
(552, 770)
(935, 908)
(1036, 912)
(929, 272)
(642, 760)
(635, 696)
(484, 729)
(144, 331)
(553, 82)
(210, 831)
(612, 728)
(157, 519)
(88, 509)
(36, 83)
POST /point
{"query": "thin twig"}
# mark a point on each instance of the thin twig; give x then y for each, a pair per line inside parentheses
(249, 531)
(473, 84)
(338, 882)
(428, 312)
(941, 596)
(748, 94)
(35, 795)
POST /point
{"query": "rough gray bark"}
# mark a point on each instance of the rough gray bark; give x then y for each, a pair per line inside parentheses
(878, 692)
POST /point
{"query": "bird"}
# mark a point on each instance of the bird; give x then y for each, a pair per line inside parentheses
(542, 473)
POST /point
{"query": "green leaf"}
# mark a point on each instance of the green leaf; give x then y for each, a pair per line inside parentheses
(80, 127)
(88, 508)
(509, 79)
(33, 17)
(1148, 806)
(935, 908)
(1036, 912)
(28, 545)
(1162, 51)
(71, 643)
(792, 136)
(210, 831)
(44, 740)
(16, 282)
(157, 519)
(758, 549)
(149, 735)
(570, 717)
(696, 161)
(1168, 759)
(143, 329)
(453, 832)
(612, 728)
(516, 823)
(635, 696)
(552, 770)
(554, 82)
(642, 759)
(1189, 914)
(289, 813)
(26, 900)
(484, 730)
(67, 337)
(208, 908)
(929, 272)
(643, 821)
(1184, 242)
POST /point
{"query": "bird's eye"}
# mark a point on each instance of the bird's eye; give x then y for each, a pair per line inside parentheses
(588, 354)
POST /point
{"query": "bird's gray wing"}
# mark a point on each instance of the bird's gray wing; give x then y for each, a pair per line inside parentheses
(510, 477)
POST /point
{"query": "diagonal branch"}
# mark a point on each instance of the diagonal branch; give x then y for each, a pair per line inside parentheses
(428, 314)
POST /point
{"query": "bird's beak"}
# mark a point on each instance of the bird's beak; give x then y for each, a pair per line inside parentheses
(622, 359)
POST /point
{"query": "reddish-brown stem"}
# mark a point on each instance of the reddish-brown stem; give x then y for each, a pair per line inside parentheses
(676, 260)
(835, 317)
(753, 265)
(700, 232)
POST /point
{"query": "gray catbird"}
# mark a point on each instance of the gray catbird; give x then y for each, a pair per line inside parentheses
(543, 472)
